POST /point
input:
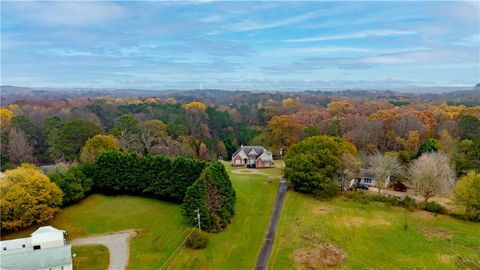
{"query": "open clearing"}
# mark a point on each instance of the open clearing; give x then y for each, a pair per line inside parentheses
(372, 236)
(161, 228)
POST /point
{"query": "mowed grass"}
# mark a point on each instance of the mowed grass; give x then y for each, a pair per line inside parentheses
(239, 245)
(374, 236)
(159, 225)
(94, 257)
(161, 228)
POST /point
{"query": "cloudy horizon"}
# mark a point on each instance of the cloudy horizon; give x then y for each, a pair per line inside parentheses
(240, 45)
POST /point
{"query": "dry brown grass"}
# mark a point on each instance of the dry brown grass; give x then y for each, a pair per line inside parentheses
(327, 255)
(356, 221)
(431, 232)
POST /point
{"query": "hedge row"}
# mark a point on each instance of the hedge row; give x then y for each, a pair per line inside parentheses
(117, 172)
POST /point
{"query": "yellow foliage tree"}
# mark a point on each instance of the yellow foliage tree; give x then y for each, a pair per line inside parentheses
(96, 145)
(27, 197)
(5, 118)
(284, 131)
(196, 105)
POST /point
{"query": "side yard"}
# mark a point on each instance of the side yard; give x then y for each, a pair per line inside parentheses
(315, 234)
(161, 228)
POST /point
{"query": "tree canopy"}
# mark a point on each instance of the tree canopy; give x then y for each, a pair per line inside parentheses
(312, 164)
(27, 198)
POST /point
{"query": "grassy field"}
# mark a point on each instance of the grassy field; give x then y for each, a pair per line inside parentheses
(238, 246)
(93, 257)
(372, 236)
(161, 227)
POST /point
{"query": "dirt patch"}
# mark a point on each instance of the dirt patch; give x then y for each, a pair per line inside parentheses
(437, 233)
(325, 256)
(423, 214)
(361, 221)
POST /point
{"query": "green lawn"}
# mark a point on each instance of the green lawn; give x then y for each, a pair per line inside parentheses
(93, 257)
(161, 227)
(374, 236)
(238, 246)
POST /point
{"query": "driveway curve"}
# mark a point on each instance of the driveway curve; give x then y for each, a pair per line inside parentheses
(118, 245)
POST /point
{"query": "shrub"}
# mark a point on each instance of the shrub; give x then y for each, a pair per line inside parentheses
(359, 196)
(74, 184)
(197, 240)
(408, 203)
(432, 207)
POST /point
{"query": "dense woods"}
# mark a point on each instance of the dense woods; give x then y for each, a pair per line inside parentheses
(160, 146)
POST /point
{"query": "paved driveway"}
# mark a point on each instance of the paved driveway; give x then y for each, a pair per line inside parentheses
(118, 245)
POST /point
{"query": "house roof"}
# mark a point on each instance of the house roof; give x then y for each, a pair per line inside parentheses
(37, 259)
(247, 149)
(367, 173)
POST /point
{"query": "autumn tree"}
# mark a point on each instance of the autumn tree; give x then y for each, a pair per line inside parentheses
(5, 119)
(151, 133)
(96, 145)
(283, 132)
(467, 195)
(431, 174)
(27, 198)
(348, 169)
(203, 152)
(384, 166)
(19, 148)
(196, 116)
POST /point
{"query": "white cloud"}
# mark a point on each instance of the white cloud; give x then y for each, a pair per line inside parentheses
(70, 13)
(310, 50)
(253, 25)
(355, 35)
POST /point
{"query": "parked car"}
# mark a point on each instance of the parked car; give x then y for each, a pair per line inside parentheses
(399, 186)
(361, 186)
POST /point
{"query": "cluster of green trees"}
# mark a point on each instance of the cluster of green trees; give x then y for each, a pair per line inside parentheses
(319, 165)
(128, 173)
(213, 196)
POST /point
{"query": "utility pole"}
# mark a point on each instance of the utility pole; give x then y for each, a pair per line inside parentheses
(198, 219)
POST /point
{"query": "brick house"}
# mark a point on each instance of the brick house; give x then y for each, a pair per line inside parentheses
(253, 157)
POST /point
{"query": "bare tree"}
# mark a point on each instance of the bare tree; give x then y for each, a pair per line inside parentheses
(431, 174)
(19, 149)
(384, 166)
(349, 168)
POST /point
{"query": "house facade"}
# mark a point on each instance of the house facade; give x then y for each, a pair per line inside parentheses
(253, 157)
(45, 249)
(367, 177)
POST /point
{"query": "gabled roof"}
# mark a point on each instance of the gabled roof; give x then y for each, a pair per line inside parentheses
(247, 149)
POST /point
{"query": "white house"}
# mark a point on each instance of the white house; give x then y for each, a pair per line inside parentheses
(367, 177)
(252, 156)
(46, 249)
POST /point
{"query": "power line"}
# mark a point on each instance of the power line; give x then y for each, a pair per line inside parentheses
(177, 250)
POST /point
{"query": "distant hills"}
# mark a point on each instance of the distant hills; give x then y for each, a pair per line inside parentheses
(460, 95)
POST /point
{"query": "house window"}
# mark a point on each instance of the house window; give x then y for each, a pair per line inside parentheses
(238, 162)
(367, 180)
(37, 247)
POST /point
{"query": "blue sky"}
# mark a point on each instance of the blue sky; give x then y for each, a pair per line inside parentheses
(240, 45)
